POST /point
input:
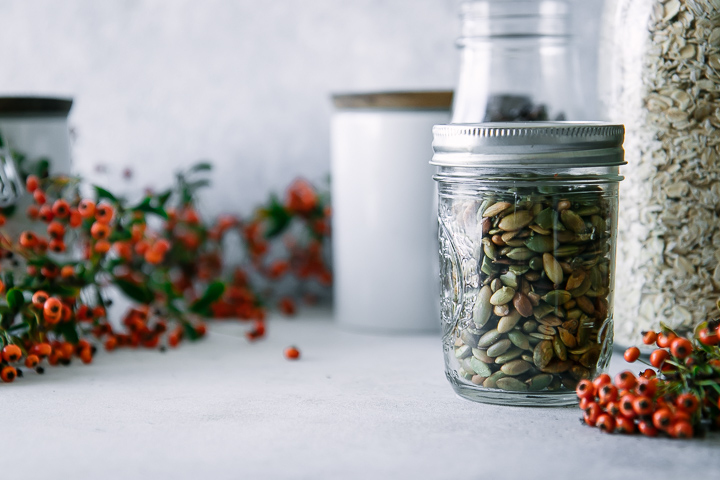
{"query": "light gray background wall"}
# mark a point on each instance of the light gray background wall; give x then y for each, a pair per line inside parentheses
(159, 84)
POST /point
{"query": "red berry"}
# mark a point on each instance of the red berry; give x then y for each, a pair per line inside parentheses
(625, 380)
(585, 389)
(665, 339)
(292, 353)
(681, 347)
(648, 373)
(86, 208)
(626, 405)
(647, 428)
(613, 408)
(60, 208)
(632, 354)
(658, 357)
(624, 425)
(606, 423)
(681, 429)
(39, 197)
(608, 393)
(642, 405)
(591, 413)
(647, 386)
(662, 418)
(708, 337)
(649, 337)
(8, 373)
(600, 380)
(32, 360)
(687, 402)
(11, 353)
(31, 183)
(104, 213)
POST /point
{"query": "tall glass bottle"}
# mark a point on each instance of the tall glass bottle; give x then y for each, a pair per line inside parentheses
(517, 63)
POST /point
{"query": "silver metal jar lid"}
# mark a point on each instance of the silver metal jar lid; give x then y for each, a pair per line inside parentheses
(528, 144)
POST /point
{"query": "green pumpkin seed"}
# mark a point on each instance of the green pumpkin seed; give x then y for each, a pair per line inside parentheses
(489, 338)
(498, 348)
(544, 329)
(462, 352)
(520, 253)
(529, 326)
(519, 340)
(496, 284)
(469, 338)
(516, 242)
(575, 280)
(483, 308)
(539, 382)
(583, 288)
(511, 384)
(598, 223)
(509, 279)
(516, 221)
(502, 296)
(519, 269)
(550, 321)
(572, 221)
(567, 250)
(585, 304)
(496, 209)
(491, 381)
(558, 366)
(590, 358)
(586, 211)
(557, 297)
(542, 310)
(489, 248)
(552, 268)
(515, 367)
(541, 244)
(487, 266)
(482, 356)
(507, 323)
(536, 263)
(548, 220)
(511, 354)
(539, 230)
(464, 374)
(579, 373)
(477, 379)
(480, 368)
(542, 354)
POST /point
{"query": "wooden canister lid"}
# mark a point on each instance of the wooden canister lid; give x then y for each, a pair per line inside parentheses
(420, 100)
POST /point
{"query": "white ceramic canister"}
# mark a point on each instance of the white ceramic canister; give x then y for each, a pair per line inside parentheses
(36, 127)
(384, 239)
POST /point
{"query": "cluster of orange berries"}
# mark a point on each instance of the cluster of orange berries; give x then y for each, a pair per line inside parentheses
(632, 404)
(56, 353)
(676, 403)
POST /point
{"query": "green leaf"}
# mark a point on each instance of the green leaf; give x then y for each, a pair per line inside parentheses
(198, 184)
(278, 217)
(147, 206)
(200, 167)
(102, 193)
(211, 295)
(67, 330)
(42, 168)
(190, 332)
(139, 293)
(164, 197)
(15, 299)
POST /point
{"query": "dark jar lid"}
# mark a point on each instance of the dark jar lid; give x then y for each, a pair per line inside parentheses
(529, 145)
(420, 100)
(35, 106)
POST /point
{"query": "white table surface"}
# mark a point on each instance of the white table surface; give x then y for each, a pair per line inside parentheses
(355, 406)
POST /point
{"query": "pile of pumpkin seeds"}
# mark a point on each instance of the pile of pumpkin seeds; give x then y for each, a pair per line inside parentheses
(540, 317)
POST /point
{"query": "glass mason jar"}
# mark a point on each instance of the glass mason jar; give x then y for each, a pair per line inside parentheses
(516, 63)
(527, 224)
(660, 76)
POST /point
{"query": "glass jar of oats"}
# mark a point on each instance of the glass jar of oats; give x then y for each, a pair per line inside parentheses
(527, 225)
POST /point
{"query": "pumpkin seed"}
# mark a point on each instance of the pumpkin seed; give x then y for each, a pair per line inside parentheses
(489, 248)
(576, 279)
(520, 253)
(496, 209)
(482, 356)
(515, 367)
(498, 348)
(503, 296)
(480, 368)
(511, 354)
(567, 338)
(572, 221)
(507, 323)
(557, 297)
(559, 348)
(509, 279)
(548, 219)
(539, 382)
(482, 308)
(522, 304)
(542, 354)
(516, 221)
(489, 338)
(541, 243)
(511, 384)
(552, 268)
(491, 381)
(519, 340)
(462, 352)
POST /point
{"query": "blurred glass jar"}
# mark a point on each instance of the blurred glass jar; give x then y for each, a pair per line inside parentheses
(517, 63)
(528, 215)
(659, 75)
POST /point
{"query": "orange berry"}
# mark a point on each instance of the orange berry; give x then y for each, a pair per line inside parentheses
(102, 246)
(56, 246)
(613, 408)
(174, 338)
(626, 405)
(632, 354)
(647, 386)
(662, 418)
(162, 245)
(104, 213)
(624, 425)
(647, 428)
(585, 389)
(681, 347)
(8, 373)
(708, 337)
(56, 229)
(3, 219)
(67, 271)
(153, 257)
(86, 208)
(39, 298)
(606, 423)
(100, 231)
(28, 239)
(141, 247)
(52, 307)
(650, 337)
(191, 216)
(2, 286)
(75, 218)
(608, 393)
(32, 360)
(292, 353)
(43, 349)
(201, 329)
(49, 271)
(32, 182)
(664, 340)
(658, 357)
(39, 197)
(11, 353)
(110, 344)
(625, 380)
(61, 208)
(687, 402)
(46, 214)
(99, 312)
(681, 429)
(642, 405)
(591, 413)
(287, 306)
(649, 373)
(86, 356)
(32, 212)
(600, 380)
